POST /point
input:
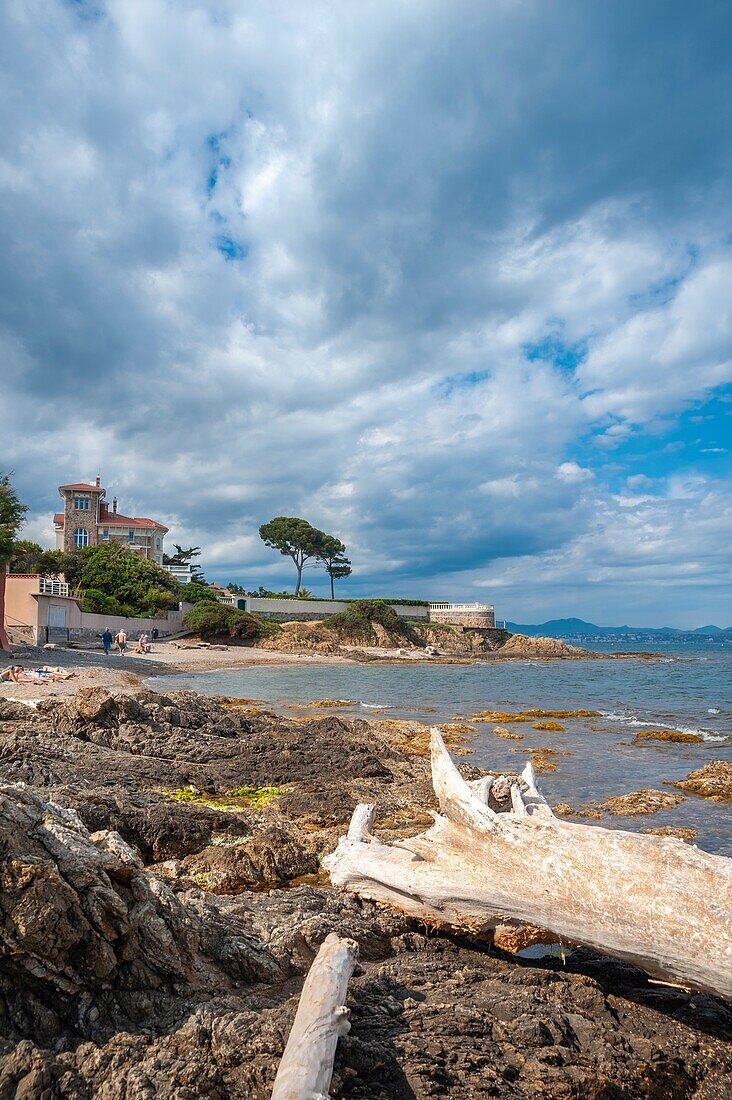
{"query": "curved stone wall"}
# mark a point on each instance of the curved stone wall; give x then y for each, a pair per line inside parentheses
(482, 619)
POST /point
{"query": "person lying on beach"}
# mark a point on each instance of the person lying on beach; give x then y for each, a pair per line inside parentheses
(55, 672)
(10, 674)
(18, 675)
(143, 646)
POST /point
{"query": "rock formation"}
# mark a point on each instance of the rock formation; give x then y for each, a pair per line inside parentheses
(120, 977)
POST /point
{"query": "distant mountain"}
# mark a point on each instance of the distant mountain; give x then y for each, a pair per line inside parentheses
(566, 627)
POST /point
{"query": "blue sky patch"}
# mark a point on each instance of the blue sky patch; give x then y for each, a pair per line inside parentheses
(229, 248)
(555, 350)
(462, 381)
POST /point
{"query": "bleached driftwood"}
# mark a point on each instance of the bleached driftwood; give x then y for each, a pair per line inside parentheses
(497, 856)
(321, 1018)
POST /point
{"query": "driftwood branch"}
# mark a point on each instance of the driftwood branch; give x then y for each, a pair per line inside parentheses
(497, 856)
(321, 1018)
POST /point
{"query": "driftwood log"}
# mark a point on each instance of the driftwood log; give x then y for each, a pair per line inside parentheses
(321, 1018)
(498, 856)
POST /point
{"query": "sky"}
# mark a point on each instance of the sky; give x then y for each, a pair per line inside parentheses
(451, 281)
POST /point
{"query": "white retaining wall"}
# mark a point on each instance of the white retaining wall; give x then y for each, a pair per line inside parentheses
(92, 625)
(318, 609)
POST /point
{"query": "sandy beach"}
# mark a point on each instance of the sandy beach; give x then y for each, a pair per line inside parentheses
(93, 669)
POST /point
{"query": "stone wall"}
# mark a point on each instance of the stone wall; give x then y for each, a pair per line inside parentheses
(482, 619)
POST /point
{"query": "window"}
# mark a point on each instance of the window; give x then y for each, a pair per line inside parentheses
(81, 537)
(131, 535)
(157, 544)
(81, 504)
(105, 534)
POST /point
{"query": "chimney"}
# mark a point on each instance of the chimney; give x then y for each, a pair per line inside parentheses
(99, 480)
(114, 505)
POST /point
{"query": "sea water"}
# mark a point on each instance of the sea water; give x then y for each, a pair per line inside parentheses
(688, 688)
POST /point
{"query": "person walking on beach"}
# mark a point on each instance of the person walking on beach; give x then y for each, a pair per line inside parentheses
(121, 641)
(107, 640)
(154, 634)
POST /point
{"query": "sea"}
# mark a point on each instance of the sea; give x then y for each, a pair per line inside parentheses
(686, 688)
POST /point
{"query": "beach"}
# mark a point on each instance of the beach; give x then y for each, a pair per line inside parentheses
(125, 673)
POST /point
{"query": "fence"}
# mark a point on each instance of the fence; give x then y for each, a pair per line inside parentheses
(48, 587)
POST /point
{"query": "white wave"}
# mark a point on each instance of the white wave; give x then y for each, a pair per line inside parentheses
(631, 720)
(713, 710)
(376, 706)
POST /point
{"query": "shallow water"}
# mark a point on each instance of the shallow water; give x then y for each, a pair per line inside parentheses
(689, 689)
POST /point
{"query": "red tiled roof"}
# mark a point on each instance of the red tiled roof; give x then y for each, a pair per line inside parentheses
(114, 519)
(82, 485)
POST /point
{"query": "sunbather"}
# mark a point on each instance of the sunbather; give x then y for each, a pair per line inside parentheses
(16, 674)
(55, 672)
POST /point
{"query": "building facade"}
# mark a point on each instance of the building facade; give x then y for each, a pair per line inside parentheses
(87, 520)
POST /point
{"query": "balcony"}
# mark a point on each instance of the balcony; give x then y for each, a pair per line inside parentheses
(47, 587)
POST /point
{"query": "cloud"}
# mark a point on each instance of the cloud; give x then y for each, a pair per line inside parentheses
(413, 271)
(573, 473)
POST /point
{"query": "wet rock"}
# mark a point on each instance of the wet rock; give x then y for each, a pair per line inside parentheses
(563, 809)
(507, 735)
(668, 735)
(681, 833)
(713, 780)
(646, 801)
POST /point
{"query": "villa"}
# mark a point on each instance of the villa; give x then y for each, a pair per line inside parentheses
(87, 520)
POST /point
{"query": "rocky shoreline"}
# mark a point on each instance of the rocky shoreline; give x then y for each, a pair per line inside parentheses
(161, 902)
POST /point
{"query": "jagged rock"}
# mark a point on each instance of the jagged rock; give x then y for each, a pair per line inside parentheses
(122, 984)
(158, 827)
(520, 645)
(80, 913)
(272, 857)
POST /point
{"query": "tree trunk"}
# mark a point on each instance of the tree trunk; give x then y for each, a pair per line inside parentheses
(4, 643)
(298, 565)
(499, 856)
(332, 587)
(322, 1017)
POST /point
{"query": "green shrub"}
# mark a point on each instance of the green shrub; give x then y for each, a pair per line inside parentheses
(99, 603)
(194, 592)
(357, 621)
(215, 620)
(112, 570)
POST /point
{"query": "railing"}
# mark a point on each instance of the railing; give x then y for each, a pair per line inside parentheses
(461, 607)
(47, 587)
